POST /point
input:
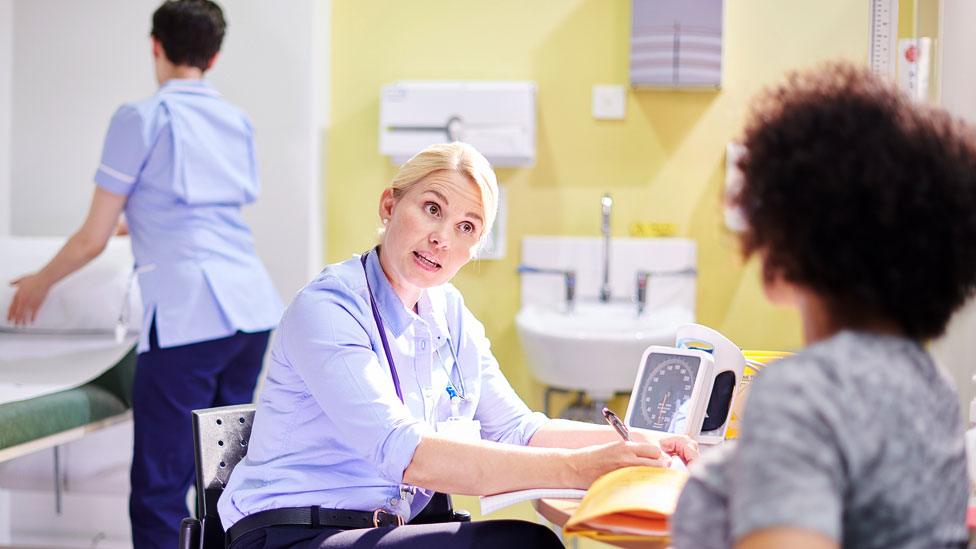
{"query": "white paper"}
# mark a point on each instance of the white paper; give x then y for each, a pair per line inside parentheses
(677, 464)
(33, 365)
(490, 504)
(90, 300)
(913, 67)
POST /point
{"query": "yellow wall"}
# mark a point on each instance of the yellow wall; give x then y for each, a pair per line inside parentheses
(664, 162)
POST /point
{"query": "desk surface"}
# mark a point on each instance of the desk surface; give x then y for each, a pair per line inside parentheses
(557, 511)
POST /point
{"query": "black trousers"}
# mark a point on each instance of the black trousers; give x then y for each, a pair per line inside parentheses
(508, 534)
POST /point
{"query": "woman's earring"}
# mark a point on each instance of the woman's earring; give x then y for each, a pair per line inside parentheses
(385, 221)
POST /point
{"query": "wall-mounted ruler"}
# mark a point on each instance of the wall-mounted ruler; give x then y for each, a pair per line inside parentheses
(884, 37)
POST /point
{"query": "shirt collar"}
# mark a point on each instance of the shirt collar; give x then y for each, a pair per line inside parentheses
(394, 314)
(186, 85)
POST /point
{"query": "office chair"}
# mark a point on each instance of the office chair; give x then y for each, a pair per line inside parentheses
(220, 438)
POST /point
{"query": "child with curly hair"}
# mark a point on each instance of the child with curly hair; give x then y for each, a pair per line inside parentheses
(861, 207)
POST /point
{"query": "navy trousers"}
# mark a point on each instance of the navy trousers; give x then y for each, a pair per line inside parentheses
(507, 534)
(169, 383)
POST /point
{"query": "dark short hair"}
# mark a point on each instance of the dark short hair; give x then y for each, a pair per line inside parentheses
(862, 196)
(190, 31)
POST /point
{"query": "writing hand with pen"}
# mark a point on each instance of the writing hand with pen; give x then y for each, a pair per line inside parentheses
(680, 446)
(590, 460)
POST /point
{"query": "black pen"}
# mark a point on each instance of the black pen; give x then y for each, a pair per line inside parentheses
(615, 422)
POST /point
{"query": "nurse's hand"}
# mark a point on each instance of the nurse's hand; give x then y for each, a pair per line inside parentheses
(680, 446)
(31, 291)
(592, 462)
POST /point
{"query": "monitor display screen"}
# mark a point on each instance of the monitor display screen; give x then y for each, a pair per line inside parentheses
(664, 394)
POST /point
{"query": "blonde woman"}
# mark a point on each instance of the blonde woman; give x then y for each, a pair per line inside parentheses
(370, 357)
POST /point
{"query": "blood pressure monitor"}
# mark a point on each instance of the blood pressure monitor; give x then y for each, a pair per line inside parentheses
(671, 390)
(687, 391)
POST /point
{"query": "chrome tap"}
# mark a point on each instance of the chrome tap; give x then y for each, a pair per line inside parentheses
(641, 297)
(569, 278)
(643, 278)
(606, 203)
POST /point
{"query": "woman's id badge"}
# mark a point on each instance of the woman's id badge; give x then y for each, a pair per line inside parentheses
(460, 428)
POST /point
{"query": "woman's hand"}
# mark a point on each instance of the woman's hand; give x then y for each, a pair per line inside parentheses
(82, 247)
(31, 291)
(680, 446)
(592, 462)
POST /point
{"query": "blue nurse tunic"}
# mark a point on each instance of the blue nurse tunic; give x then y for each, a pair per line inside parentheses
(185, 160)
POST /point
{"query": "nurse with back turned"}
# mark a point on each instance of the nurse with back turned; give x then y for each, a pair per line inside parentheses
(179, 165)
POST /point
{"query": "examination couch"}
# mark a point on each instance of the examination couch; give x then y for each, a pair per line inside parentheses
(49, 420)
(65, 374)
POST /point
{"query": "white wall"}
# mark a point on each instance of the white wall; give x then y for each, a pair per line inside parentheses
(6, 72)
(957, 349)
(958, 66)
(61, 77)
(270, 66)
(321, 42)
(72, 71)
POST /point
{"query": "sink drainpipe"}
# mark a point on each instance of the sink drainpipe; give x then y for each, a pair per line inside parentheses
(606, 203)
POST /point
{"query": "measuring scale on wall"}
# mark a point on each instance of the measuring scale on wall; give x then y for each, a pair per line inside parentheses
(884, 37)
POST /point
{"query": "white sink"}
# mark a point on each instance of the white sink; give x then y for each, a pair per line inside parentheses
(597, 347)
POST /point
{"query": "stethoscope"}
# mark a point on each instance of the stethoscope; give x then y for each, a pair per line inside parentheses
(454, 390)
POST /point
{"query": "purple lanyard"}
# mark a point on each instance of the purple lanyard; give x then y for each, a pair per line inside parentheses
(382, 329)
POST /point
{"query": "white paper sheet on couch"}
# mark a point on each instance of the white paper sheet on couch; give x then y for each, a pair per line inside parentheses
(33, 365)
(89, 300)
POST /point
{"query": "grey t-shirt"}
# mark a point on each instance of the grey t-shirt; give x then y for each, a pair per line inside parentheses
(857, 437)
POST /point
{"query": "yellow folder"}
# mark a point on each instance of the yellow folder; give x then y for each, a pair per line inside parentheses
(633, 503)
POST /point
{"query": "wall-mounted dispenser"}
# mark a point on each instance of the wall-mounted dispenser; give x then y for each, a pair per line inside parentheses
(676, 43)
(497, 118)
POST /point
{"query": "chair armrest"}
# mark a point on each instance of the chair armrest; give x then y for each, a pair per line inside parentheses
(190, 533)
(440, 509)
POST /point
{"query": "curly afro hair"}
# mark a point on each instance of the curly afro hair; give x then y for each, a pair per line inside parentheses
(863, 197)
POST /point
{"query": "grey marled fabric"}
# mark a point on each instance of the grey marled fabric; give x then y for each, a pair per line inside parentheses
(858, 437)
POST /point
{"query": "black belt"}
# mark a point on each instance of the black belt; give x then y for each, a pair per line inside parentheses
(313, 517)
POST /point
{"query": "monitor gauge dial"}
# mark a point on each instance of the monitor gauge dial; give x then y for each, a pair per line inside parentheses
(666, 394)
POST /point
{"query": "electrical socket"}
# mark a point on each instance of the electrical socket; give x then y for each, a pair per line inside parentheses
(609, 102)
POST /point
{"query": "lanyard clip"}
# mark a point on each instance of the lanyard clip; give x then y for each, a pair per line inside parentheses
(455, 401)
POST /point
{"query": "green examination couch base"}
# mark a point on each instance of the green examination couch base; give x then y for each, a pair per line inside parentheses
(43, 422)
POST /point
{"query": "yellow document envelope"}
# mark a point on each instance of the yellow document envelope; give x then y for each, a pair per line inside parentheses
(634, 502)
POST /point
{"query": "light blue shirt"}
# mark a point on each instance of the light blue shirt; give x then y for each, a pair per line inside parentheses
(329, 428)
(185, 160)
